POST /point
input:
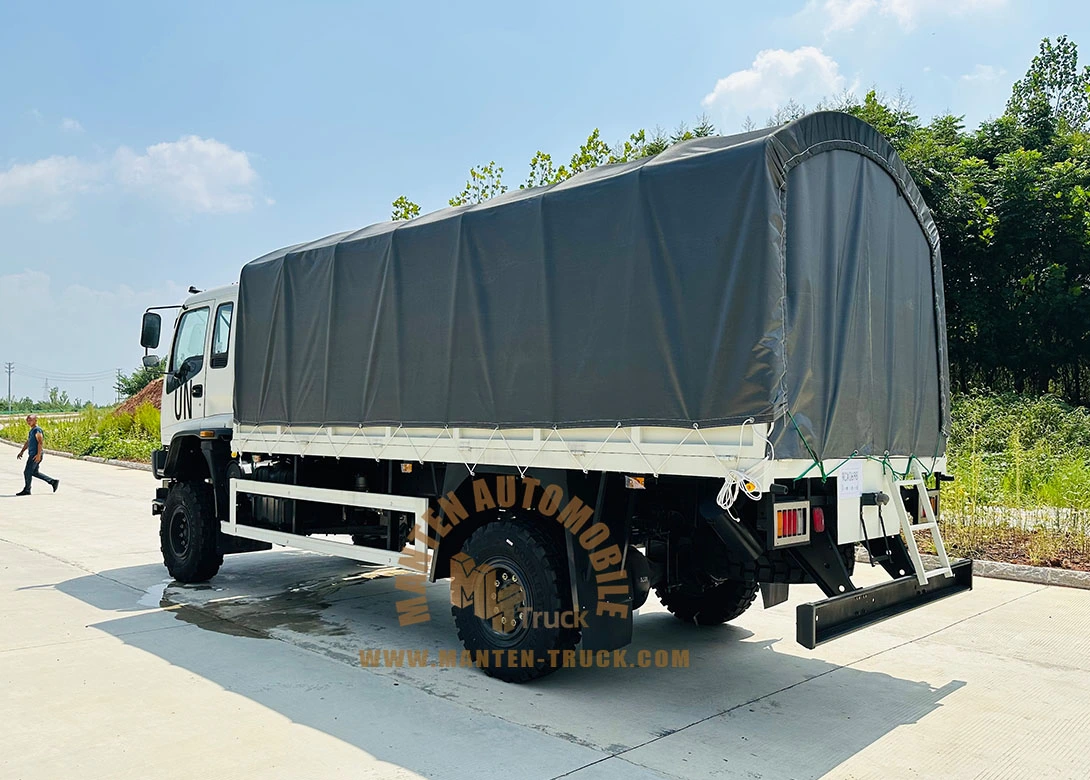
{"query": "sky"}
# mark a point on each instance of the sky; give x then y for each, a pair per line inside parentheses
(147, 147)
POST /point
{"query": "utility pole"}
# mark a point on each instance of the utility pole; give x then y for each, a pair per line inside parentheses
(117, 388)
(9, 367)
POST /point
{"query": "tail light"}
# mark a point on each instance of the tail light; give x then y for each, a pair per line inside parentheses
(792, 524)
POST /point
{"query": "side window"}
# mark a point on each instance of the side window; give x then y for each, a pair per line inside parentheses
(221, 335)
(190, 339)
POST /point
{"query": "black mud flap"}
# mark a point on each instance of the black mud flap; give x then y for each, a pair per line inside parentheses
(822, 621)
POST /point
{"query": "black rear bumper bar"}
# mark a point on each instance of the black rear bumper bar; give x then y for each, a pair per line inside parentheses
(821, 621)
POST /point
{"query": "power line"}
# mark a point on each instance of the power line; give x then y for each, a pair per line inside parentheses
(39, 373)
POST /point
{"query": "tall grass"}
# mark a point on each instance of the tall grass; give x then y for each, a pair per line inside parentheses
(1022, 468)
(97, 432)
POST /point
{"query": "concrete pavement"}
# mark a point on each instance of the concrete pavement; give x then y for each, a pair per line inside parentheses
(110, 670)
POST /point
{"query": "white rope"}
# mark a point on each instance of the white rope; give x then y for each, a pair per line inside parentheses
(522, 471)
(594, 457)
(738, 481)
(442, 433)
(386, 443)
(735, 473)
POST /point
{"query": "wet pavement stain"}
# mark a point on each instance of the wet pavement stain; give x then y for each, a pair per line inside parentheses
(298, 610)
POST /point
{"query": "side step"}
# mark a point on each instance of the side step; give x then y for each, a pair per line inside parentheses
(821, 621)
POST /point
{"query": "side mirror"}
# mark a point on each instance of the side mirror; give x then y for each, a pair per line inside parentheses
(150, 327)
(151, 361)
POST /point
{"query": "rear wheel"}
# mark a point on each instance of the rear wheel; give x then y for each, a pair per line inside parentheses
(711, 606)
(524, 582)
(188, 533)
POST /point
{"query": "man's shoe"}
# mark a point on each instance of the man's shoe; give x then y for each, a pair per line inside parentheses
(23, 493)
(56, 483)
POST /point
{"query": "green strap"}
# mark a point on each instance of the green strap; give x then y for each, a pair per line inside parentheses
(806, 444)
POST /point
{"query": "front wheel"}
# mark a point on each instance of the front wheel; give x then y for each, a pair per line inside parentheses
(711, 606)
(188, 533)
(517, 579)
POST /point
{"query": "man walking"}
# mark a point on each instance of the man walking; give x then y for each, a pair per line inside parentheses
(36, 447)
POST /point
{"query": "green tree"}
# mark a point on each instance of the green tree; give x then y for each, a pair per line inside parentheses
(542, 171)
(1054, 86)
(403, 209)
(485, 182)
(128, 385)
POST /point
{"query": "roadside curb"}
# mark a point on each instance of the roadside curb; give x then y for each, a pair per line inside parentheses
(997, 570)
(125, 464)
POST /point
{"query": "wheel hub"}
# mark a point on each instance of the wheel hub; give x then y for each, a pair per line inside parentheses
(179, 533)
(508, 601)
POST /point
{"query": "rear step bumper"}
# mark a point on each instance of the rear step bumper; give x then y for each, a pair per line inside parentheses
(822, 621)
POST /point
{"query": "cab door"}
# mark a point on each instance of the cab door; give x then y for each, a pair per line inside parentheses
(184, 383)
(219, 380)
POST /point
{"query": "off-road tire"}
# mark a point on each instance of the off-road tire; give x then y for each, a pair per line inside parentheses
(540, 557)
(188, 533)
(712, 606)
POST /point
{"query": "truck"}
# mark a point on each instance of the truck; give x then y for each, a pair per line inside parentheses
(713, 373)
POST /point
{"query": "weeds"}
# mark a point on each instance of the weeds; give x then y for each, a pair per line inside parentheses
(1022, 468)
(97, 432)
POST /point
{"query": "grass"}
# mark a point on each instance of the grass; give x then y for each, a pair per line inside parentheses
(97, 432)
(1022, 488)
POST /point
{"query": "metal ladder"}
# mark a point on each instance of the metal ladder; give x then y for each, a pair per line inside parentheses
(930, 523)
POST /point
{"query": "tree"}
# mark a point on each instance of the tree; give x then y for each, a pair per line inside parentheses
(788, 112)
(1054, 86)
(485, 182)
(403, 209)
(58, 399)
(542, 171)
(128, 385)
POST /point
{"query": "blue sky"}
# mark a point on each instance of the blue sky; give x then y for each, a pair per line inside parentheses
(145, 147)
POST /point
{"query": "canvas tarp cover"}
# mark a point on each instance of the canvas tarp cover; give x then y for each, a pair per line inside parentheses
(789, 274)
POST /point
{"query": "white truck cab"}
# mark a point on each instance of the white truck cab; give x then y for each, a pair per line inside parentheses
(198, 371)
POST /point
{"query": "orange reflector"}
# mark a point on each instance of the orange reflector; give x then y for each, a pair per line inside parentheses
(208, 434)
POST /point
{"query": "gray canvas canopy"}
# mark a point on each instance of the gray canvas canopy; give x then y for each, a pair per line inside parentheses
(790, 274)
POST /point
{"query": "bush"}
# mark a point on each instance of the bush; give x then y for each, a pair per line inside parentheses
(98, 432)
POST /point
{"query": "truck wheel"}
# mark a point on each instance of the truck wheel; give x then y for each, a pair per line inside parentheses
(712, 606)
(528, 576)
(188, 533)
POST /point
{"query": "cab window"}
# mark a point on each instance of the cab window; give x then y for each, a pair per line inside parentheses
(190, 339)
(221, 335)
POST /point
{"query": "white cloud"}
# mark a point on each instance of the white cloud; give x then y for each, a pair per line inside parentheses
(984, 73)
(805, 75)
(194, 174)
(909, 12)
(191, 175)
(71, 125)
(48, 184)
(847, 14)
(93, 329)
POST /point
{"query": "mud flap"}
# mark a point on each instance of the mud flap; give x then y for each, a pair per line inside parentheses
(821, 621)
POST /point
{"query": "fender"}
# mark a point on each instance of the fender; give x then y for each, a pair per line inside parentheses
(192, 456)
